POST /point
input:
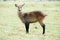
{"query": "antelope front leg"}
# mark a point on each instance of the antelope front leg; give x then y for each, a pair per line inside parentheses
(27, 27)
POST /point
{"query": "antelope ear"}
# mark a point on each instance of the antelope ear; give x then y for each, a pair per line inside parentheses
(16, 5)
(23, 4)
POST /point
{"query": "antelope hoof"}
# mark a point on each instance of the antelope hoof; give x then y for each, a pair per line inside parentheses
(27, 32)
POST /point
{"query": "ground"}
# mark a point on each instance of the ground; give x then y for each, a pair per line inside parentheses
(12, 28)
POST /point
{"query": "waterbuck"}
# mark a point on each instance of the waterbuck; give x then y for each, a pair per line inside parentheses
(31, 17)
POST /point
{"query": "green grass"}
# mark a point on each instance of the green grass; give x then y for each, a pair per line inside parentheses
(11, 27)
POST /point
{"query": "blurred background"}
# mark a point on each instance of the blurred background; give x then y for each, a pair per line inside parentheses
(30, 0)
(11, 27)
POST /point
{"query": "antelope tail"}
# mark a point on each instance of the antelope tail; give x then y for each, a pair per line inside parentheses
(45, 14)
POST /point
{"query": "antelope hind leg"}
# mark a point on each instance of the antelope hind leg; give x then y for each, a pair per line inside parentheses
(43, 26)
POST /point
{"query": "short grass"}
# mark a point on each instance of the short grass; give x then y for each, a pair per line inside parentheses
(11, 27)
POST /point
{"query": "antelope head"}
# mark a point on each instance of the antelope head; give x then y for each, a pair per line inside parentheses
(19, 6)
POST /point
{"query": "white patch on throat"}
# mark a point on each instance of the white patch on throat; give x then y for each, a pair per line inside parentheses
(21, 12)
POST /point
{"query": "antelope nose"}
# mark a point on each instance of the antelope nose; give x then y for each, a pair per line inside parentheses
(19, 10)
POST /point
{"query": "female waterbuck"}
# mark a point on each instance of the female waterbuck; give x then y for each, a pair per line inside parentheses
(31, 17)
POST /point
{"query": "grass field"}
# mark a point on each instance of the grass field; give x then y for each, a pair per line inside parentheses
(11, 27)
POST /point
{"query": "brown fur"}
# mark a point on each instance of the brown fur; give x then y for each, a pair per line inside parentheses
(31, 17)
